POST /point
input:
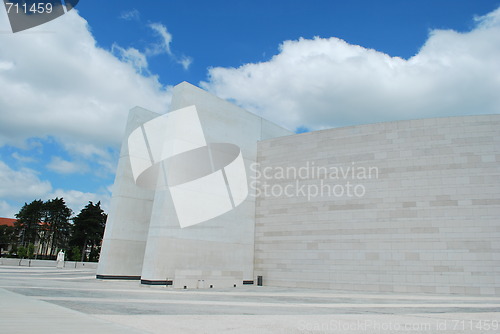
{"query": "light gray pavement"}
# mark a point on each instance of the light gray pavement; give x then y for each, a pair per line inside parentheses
(21, 314)
(50, 300)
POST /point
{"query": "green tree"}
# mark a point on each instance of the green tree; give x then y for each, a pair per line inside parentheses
(75, 254)
(88, 229)
(56, 225)
(7, 237)
(26, 252)
(28, 221)
(22, 252)
(30, 251)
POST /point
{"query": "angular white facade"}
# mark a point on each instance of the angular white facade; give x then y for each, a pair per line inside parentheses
(211, 195)
(127, 227)
(174, 242)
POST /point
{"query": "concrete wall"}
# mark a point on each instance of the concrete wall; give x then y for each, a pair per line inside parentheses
(221, 249)
(143, 238)
(127, 226)
(429, 222)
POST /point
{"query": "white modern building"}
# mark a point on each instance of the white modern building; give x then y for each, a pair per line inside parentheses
(210, 195)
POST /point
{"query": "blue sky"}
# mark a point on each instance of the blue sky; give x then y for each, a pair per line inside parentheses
(67, 85)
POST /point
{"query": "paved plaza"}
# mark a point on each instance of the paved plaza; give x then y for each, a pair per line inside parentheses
(50, 300)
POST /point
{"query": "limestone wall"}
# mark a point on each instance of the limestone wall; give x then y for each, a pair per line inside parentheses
(427, 222)
(144, 238)
(127, 225)
(224, 243)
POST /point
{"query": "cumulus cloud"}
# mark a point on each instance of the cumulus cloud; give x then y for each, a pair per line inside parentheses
(7, 210)
(6, 65)
(77, 200)
(25, 185)
(60, 83)
(326, 82)
(104, 158)
(60, 89)
(61, 166)
(132, 56)
(20, 184)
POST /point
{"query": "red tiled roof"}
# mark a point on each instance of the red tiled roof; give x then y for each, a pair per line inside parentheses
(7, 221)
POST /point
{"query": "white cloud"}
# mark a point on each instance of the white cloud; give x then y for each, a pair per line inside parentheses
(61, 91)
(185, 62)
(77, 200)
(61, 84)
(131, 15)
(104, 158)
(22, 158)
(322, 83)
(24, 185)
(166, 39)
(21, 184)
(132, 56)
(61, 166)
(7, 211)
(163, 47)
(6, 65)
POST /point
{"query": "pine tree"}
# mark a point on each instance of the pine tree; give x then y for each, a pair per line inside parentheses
(88, 229)
(57, 224)
(7, 237)
(28, 222)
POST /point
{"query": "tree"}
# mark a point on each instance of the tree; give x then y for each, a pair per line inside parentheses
(56, 225)
(30, 251)
(22, 252)
(26, 252)
(7, 237)
(46, 224)
(75, 254)
(88, 229)
(28, 221)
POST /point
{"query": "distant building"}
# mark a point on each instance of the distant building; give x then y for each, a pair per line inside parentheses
(42, 244)
(5, 246)
(7, 221)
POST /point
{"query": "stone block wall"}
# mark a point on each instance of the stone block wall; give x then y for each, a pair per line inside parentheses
(418, 212)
